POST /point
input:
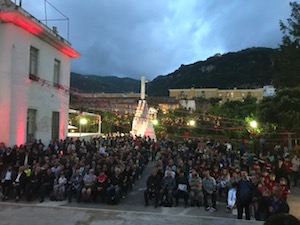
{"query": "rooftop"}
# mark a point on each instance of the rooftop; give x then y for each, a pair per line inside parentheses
(12, 13)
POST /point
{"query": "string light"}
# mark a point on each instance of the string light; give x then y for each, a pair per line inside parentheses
(216, 121)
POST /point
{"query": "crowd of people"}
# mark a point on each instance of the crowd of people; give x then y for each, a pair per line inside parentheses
(197, 171)
(201, 171)
(101, 170)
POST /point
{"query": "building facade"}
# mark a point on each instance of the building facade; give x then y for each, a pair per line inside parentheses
(35, 75)
(163, 104)
(106, 102)
(223, 95)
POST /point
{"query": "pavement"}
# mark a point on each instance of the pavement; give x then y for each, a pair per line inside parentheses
(131, 210)
(13, 214)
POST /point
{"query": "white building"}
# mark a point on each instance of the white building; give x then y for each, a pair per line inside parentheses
(269, 90)
(188, 104)
(34, 78)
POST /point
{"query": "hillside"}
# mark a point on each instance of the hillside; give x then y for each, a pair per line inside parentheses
(109, 84)
(249, 68)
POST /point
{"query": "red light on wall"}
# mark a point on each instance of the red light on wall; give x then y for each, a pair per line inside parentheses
(68, 51)
(22, 21)
(20, 127)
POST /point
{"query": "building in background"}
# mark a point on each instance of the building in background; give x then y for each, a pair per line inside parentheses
(163, 104)
(224, 95)
(124, 103)
(269, 91)
(35, 75)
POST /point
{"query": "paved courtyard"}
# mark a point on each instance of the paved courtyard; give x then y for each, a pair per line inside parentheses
(16, 214)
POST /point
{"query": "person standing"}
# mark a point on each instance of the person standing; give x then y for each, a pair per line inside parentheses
(244, 195)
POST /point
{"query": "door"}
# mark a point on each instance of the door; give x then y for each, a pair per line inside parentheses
(31, 125)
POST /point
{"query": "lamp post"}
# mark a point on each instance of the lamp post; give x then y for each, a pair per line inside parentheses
(155, 122)
(192, 123)
(82, 121)
(253, 124)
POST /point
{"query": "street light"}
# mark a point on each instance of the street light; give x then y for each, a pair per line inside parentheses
(82, 121)
(253, 124)
(155, 122)
(192, 123)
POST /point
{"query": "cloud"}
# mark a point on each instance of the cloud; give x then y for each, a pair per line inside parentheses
(153, 37)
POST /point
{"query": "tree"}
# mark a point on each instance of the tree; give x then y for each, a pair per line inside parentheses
(282, 109)
(287, 65)
(233, 114)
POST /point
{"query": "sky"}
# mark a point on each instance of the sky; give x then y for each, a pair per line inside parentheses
(134, 38)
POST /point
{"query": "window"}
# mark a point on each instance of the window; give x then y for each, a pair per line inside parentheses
(31, 125)
(33, 61)
(55, 125)
(56, 72)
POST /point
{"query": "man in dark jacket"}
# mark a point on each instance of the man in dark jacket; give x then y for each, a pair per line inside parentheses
(7, 178)
(76, 184)
(47, 181)
(153, 186)
(182, 188)
(244, 195)
(113, 192)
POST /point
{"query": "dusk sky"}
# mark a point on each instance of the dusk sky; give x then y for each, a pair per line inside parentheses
(130, 38)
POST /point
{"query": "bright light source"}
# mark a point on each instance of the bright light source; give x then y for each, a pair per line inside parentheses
(155, 122)
(192, 123)
(83, 121)
(253, 124)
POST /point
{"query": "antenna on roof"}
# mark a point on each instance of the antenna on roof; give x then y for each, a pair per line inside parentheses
(64, 19)
(20, 3)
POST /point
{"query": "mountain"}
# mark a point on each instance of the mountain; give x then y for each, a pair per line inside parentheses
(109, 84)
(249, 68)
